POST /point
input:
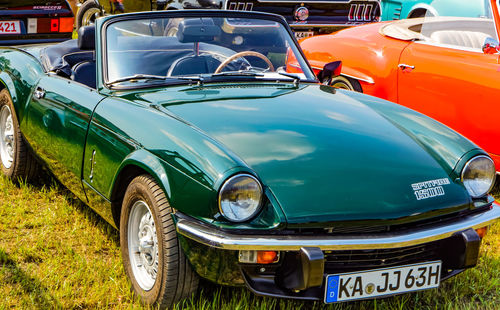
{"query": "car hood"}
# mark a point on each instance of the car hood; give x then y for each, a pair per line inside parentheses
(328, 155)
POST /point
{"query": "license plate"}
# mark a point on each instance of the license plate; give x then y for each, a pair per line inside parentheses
(382, 282)
(10, 27)
(303, 34)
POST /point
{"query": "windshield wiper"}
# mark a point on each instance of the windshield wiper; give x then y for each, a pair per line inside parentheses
(294, 76)
(238, 73)
(155, 77)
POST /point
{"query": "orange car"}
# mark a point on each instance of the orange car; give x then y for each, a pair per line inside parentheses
(445, 67)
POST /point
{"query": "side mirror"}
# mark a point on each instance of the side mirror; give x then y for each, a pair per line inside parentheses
(331, 69)
(490, 46)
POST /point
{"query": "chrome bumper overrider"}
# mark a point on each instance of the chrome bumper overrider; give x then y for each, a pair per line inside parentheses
(222, 239)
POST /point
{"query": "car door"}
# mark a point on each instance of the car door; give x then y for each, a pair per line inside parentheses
(58, 115)
(455, 85)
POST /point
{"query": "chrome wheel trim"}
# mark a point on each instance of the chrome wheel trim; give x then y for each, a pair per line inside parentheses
(341, 85)
(338, 83)
(7, 140)
(172, 32)
(90, 16)
(143, 245)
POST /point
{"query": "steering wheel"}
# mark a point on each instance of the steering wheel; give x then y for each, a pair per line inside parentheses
(241, 54)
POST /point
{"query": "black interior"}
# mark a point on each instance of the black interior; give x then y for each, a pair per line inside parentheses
(85, 71)
(73, 59)
(191, 51)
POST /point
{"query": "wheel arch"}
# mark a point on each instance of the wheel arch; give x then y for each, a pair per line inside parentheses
(138, 163)
(173, 7)
(352, 75)
(19, 73)
(6, 82)
(422, 7)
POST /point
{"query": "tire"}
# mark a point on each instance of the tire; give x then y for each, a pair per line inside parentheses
(16, 160)
(144, 206)
(343, 83)
(172, 27)
(420, 13)
(87, 13)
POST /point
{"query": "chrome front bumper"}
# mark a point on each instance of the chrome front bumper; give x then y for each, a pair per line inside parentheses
(223, 239)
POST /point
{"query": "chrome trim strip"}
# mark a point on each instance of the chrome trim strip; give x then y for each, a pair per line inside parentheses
(216, 238)
(369, 81)
(347, 24)
(313, 2)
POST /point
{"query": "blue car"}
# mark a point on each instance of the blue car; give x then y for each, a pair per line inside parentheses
(400, 9)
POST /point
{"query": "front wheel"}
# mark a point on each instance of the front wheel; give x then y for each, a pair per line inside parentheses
(152, 256)
(16, 160)
(88, 12)
(343, 83)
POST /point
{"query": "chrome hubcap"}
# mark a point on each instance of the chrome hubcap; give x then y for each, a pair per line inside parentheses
(143, 245)
(7, 142)
(90, 16)
(341, 85)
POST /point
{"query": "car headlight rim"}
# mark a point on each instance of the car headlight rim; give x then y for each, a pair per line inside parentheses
(464, 170)
(226, 183)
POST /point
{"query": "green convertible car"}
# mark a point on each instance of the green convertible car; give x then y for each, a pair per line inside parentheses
(187, 132)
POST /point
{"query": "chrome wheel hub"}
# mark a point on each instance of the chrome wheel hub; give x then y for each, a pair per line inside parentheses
(143, 245)
(7, 141)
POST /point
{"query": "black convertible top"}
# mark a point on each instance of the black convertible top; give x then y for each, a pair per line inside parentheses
(61, 57)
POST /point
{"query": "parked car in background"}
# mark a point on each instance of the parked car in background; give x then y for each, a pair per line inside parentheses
(401, 9)
(305, 18)
(313, 17)
(89, 10)
(35, 21)
(215, 161)
(444, 67)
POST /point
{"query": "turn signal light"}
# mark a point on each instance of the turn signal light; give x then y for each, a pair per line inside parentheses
(267, 257)
(258, 257)
(66, 24)
(482, 231)
(47, 25)
(54, 25)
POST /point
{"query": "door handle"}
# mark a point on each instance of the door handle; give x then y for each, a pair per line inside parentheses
(39, 93)
(406, 67)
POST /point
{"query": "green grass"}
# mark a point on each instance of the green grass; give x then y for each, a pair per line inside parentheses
(57, 253)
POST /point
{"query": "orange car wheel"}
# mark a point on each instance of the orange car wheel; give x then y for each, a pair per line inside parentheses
(343, 83)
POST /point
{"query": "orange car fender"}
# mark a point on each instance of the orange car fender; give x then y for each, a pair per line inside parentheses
(366, 56)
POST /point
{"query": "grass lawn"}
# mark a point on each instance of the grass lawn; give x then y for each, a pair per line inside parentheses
(57, 253)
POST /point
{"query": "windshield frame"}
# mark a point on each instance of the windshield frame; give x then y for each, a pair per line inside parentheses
(196, 14)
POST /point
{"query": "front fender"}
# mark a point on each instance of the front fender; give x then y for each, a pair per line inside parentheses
(147, 162)
(366, 56)
(19, 73)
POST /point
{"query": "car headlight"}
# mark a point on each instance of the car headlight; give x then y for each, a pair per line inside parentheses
(240, 197)
(478, 176)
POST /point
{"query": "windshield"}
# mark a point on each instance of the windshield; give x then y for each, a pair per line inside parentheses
(467, 26)
(193, 49)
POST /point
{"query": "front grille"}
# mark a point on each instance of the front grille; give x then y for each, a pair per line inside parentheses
(335, 14)
(358, 260)
(240, 6)
(363, 229)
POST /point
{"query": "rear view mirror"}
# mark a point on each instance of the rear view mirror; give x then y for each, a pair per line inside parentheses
(490, 46)
(331, 69)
